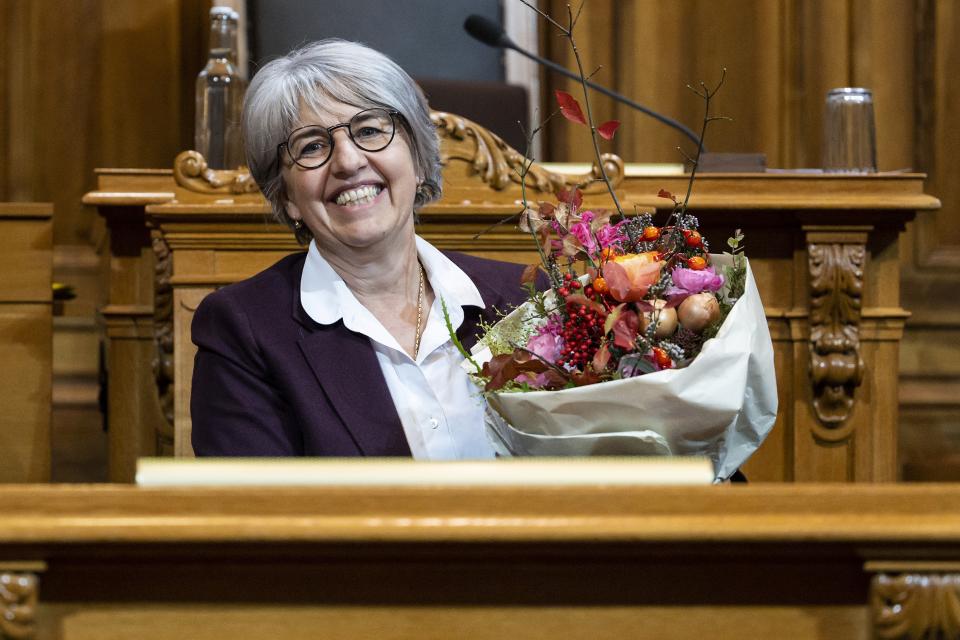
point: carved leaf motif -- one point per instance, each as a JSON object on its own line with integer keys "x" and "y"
{"x": 500, "y": 165}
{"x": 163, "y": 337}
{"x": 916, "y": 605}
{"x": 18, "y": 604}
{"x": 191, "y": 172}
{"x": 836, "y": 291}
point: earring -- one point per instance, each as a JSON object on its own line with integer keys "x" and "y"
{"x": 297, "y": 225}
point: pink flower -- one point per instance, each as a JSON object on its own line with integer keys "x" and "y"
{"x": 687, "y": 282}
{"x": 547, "y": 344}
{"x": 610, "y": 234}
{"x": 581, "y": 231}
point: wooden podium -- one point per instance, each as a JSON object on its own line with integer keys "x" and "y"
{"x": 806, "y": 562}
{"x": 824, "y": 250}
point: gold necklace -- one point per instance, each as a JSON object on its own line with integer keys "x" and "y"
{"x": 416, "y": 337}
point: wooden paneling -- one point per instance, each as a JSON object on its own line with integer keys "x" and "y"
{"x": 930, "y": 382}
{"x": 724, "y": 562}
{"x": 89, "y": 83}
{"x": 26, "y": 341}
{"x": 781, "y": 59}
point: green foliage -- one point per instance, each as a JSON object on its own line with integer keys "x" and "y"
{"x": 736, "y": 273}
{"x": 510, "y": 330}
{"x": 455, "y": 339}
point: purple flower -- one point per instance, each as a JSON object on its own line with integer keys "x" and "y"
{"x": 610, "y": 234}
{"x": 581, "y": 231}
{"x": 546, "y": 342}
{"x": 687, "y": 282}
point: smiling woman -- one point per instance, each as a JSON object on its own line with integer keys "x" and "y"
{"x": 343, "y": 350}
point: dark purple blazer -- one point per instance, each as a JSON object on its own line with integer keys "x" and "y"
{"x": 269, "y": 381}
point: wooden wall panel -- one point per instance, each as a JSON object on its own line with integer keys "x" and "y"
{"x": 25, "y": 341}
{"x": 930, "y": 381}
{"x": 86, "y": 84}
{"x": 781, "y": 57}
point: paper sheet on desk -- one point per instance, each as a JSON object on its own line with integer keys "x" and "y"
{"x": 721, "y": 406}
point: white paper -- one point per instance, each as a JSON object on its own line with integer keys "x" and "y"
{"x": 721, "y": 406}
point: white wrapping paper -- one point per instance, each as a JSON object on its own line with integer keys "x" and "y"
{"x": 721, "y": 406}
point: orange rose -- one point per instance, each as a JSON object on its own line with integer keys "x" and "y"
{"x": 630, "y": 276}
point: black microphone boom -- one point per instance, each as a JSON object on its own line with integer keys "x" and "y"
{"x": 490, "y": 33}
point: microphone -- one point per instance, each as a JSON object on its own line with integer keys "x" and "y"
{"x": 492, "y": 34}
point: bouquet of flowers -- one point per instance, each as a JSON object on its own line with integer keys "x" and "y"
{"x": 644, "y": 342}
{"x": 657, "y": 348}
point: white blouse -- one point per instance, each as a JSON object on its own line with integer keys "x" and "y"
{"x": 440, "y": 409}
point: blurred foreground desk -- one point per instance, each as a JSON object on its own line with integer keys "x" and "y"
{"x": 26, "y": 340}
{"x": 761, "y": 561}
{"x": 824, "y": 250}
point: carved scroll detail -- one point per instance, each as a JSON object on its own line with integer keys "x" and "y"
{"x": 191, "y": 172}
{"x": 163, "y": 339}
{"x": 836, "y": 367}
{"x": 499, "y": 164}
{"x": 18, "y": 604}
{"x": 916, "y": 605}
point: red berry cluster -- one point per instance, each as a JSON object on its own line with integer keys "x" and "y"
{"x": 581, "y": 335}
{"x": 570, "y": 284}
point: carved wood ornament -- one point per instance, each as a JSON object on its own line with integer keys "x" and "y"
{"x": 916, "y": 605}
{"x": 836, "y": 366}
{"x": 191, "y": 172}
{"x": 18, "y": 604}
{"x": 163, "y": 340}
{"x": 500, "y": 165}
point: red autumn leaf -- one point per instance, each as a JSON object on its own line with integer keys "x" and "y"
{"x": 601, "y": 358}
{"x": 571, "y": 245}
{"x": 529, "y": 274}
{"x": 507, "y": 366}
{"x": 543, "y": 233}
{"x": 608, "y": 128}
{"x": 600, "y": 218}
{"x": 546, "y": 210}
{"x": 612, "y": 317}
{"x": 573, "y": 197}
{"x": 663, "y": 193}
{"x": 499, "y": 369}
{"x": 554, "y": 380}
{"x": 589, "y": 376}
{"x": 569, "y": 107}
{"x": 625, "y": 330}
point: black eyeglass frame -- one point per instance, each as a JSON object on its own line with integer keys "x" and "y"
{"x": 394, "y": 117}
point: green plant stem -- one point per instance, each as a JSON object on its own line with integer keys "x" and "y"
{"x": 568, "y": 33}
{"x": 455, "y": 339}
{"x": 593, "y": 127}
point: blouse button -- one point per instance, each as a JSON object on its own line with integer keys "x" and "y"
{"x": 434, "y": 423}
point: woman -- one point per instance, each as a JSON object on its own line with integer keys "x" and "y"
{"x": 343, "y": 350}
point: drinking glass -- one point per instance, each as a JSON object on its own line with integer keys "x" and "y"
{"x": 849, "y": 134}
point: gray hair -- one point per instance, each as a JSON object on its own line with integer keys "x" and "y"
{"x": 314, "y": 77}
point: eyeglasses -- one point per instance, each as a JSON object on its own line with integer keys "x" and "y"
{"x": 312, "y": 146}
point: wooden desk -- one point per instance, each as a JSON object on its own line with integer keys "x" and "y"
{"x": 759, "y": 561}
{"x": 26, "y": 337}
{"x": 824, "y": 250}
